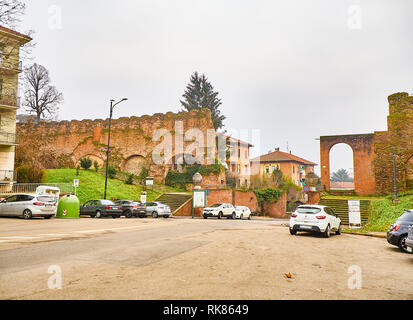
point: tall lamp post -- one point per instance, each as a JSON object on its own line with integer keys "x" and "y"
{"x": 112, "y": 105}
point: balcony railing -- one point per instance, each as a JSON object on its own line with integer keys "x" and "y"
{"x": 9, "y": 100}
{"x": 7, "y": 176}
{"x": 8, "y": 138}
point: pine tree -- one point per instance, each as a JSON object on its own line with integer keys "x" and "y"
{"x": 200, "y": 94}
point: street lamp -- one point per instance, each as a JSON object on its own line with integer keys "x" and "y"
{"x": 107, "y": 152}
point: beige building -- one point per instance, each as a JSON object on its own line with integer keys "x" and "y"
{"x": 238, "y": 161}
{"x": 291, "y": 166}
{"x": 10, "y": 67}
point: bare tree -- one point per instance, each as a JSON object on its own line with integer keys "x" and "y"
{"x": 11, "y": 11}
{"x": 40, "y": 97}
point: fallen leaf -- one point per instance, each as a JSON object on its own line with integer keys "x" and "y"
{"x": 289, "y": 275}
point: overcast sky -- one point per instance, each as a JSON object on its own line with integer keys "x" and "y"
{"x": 293, "y": 69}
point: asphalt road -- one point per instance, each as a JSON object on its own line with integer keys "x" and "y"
{"x": 193, "y": 259}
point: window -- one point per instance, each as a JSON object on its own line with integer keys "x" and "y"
{"x": 273, "y": 168}
{"x": 11, "y": 199}
{"x": 239, "y": 153}
{"x": 246, "y": 154}
{"x": 309, "y": 210}
{"x": 24, "y": 197}
{"x": 267, "y": 169}
{"x": 293, "y": 169}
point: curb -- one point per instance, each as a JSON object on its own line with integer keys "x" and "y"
{"x": 383, "y": 236}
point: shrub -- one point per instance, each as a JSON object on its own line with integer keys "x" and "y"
{"x": 129, "y": 179}
{"x": 85, "y": 163}
{"x": 29, "y": 174}
{"x": 144, "y": 173}
{"x": 112, "y": 172}
{"x": 268, "y": 194}
{"x": 77, "y": 170}
{"x": 96, "y": 165}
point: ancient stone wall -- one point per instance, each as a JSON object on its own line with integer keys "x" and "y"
{"x": 131, "y": 142}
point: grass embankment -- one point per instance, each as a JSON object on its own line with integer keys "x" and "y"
{"x": 92, "y": 185}
{"x": 384, "y": 212}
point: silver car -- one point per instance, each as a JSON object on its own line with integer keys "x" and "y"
{"x": 157, "y": 209}
{"x": 29, "y": 206}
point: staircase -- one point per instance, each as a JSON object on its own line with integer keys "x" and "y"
{"x": 174, "y": 200}
{"x": 340, "y": 206}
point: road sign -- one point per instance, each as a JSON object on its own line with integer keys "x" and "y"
{"x": 306, "y": 189}
{"x": 76, "y": 183}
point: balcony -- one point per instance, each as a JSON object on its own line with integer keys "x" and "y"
{"x": 9, "y": 101}
{"x": 9, "y": 139}
{"x": 7, "y": 176}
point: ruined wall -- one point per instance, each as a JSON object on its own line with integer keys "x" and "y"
{"x": 131, "y": 139}
{"x": 398, "y": 139}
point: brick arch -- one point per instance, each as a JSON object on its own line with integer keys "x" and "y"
{"x": 134, "y": 164}
{"x": 363, "y": 156}
{"x": 93, "y": 157}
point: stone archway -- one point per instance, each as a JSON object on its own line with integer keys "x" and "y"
{"x": 363, "y": 156}
{"x": 94, "y": 158}
{"x": 134, "y": 164}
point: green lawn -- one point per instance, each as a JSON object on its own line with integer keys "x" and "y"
{"x": 92, "y": 185}
{"x": 384, "y": 212}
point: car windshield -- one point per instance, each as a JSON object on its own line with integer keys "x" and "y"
{"x": 310, "y": 210}
{"x": 406, "y": 216}
{"x": 46, "y": 199}
{"x": 215, "y": 205}
{"x": 106, "y": 202}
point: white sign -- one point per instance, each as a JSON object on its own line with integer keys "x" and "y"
{"x": 354, "y": 218}
{"x": 143, "y": 197}
{"x": 76, "y": 183}
{"x": 149, "y": 182}
{"x": 199, "y": 199}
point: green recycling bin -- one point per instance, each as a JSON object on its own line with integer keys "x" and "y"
{"x": 68, "y": 207}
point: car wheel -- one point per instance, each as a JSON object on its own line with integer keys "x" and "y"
{"x": 48, "y": 217}
{"x": 220, "y": 215}
{"x": 241, "y": 216}
{"x": 249, "y": 217}
{"x": 205, "y": 217}
{"x": 27, "y": 214}
{"x": 338, "y": 232}
{"x": 98, "y": 214}
{"x": 128, "y": 214}
{"x": 403, "y": 246}
{"x": 154, "y": 214}
{"x": 327, "y": 232}
{"x": 293, "y": 232}
{"x": 233, "y": 216}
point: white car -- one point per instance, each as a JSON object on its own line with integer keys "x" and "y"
{"x": 242, "y": 212}
{"x": 220, "y": 210}
{"x": 29, "y": 206}
{"x": 157, "y": 209}
{"x": 315, "y": 218}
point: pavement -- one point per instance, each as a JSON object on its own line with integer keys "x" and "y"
{"x": 183, "y": 258}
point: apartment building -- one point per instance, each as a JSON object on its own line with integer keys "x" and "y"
{"x": 10, "y": 67}
{"x": 238, "y": 161}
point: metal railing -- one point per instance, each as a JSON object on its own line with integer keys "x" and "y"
{"x": 10, "y": 100}
{"x": 31, "y": 187}
{"x": 8, "y": 138}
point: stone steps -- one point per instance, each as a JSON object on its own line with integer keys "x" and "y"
{"x": 174, "y": 200}
{"x": 340, "y": 206}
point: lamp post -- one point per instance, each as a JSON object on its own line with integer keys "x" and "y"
{"x": 112, "y": 105}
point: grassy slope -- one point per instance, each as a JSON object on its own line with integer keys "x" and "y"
{"x": 92, "y": 184}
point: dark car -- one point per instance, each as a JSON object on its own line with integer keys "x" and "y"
{"x": 132, "y": 208}
{"x": 100, "y": 208}
{"x": 398, "y": 231}
{"x": 409, "y": 240}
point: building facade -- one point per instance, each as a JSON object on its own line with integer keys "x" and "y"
{"x": 238, "y": 161}
{"x": 10, "y": 67}
{"x": 291, "y": 166}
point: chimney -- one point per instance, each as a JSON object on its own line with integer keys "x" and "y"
{"x": 277, "y": 149}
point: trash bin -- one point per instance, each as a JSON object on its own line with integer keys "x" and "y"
{"x": 68, "y": 207}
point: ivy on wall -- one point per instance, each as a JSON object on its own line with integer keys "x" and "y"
{"x": 180, "y": 179}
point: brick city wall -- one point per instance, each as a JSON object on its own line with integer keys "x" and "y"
{"x": 131, "y": 140}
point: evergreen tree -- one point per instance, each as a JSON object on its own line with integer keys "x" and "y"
{"x": 200, "y": 94}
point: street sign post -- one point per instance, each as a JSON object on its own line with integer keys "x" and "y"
{"x": 76, "y": 184}
{"x": 306, "y": 189}
{"x": 199, "y": 199}
{"x": 354, "y": 217}
{"x": 143, "y": 197}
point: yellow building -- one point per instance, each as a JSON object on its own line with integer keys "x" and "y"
{"x": 238, "y": 161}
{"x": 10, "y": 67}
{"x": 293, "y": 167}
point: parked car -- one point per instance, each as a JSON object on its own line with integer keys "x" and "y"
{"x": 242, "y": 212}
{"x": 398, "y": 231}
{"x": 28, "y": 206}
{"x": 315, "y": 218}
{"x": 409, "y": 240}
{"x": 100, "y": 208}
{"x": 220, "y": 210}
{"x": 158, "y": 209}
{"x": 132, "y": 208}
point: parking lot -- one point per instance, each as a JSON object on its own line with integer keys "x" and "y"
{"x": 181, "y": 258}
